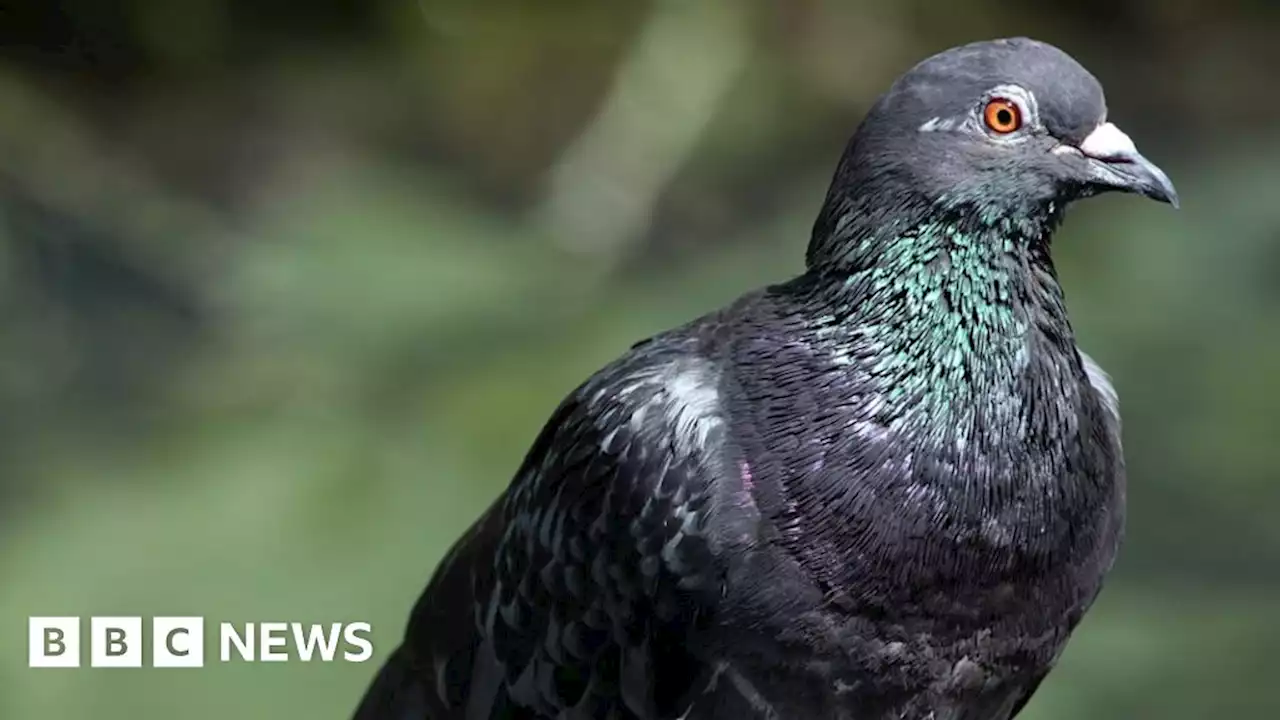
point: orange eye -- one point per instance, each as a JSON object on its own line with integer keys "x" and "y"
{"x": 1002, "y": 116}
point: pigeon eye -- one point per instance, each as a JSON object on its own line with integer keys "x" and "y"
{"x": 1002, "y": 116}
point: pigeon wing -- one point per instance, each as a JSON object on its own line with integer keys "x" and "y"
{"x": 582, "y": 591}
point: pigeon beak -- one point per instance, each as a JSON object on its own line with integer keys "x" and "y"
{"x": 1116, "y": 164}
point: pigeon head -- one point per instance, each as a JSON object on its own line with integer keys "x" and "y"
{"x": 1008, "y": 130}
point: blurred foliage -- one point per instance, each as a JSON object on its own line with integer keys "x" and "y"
{"x": 287, "y": 289}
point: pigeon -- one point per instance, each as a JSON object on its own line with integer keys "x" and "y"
{"x": 888, "y": 487}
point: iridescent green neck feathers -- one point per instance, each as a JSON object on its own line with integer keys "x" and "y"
{"x": 947, "y": 317}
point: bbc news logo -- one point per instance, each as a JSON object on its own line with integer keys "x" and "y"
{"x": 178, "y": 642}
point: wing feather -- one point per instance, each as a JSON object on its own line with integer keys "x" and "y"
{"x": 581, "y": 593}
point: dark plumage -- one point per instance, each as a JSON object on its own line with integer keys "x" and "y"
{"x": 887, "y": 488}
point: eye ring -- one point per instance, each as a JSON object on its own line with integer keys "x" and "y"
{"x": 1002, "y": 116}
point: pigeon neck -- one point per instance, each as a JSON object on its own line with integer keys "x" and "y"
{"x": 961, "y": 315}
{"x": 960, "y": 370}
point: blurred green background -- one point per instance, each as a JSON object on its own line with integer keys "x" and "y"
{"x": 286, "y": 290}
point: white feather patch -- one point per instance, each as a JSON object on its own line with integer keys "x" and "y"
{"x": 1101, "y": 383}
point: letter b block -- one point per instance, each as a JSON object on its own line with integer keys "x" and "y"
{"x": 115, "y": 642}
{"x": 53, "y": 642}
